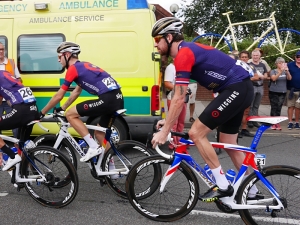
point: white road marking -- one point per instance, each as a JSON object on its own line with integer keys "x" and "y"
{"x": 258, "y": 218}
{"x": 2, "y": 194}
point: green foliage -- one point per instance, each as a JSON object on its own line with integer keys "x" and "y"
{"x": 206, "y": 15}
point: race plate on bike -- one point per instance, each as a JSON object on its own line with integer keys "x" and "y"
{"x": 260, "y": 158}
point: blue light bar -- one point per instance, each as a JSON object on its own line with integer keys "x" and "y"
{"x": 137, "y": 4}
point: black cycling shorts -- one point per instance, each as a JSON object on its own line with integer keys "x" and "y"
{"x": 105, "y": 106}
{"x": 227, "y": 109}
{"x": 20, "y": 116}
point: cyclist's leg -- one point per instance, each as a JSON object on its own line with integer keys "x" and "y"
{"x": 20, "y": 115}
{"x": 229, "y": 107}
{"x": 107, "y": 104}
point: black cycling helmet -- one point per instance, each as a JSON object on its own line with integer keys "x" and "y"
{"x": 67, "y": 46}
{"x": 167, "y": 25}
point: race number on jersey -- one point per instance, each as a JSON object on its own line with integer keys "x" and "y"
{"x": 27, "y": 95}
{"x": 110, "y": 83}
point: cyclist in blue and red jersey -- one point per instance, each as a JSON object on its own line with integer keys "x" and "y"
{"x": 215, "y": 71}
{"x": 95, "y": 81}
{"x": 24, "y": 111}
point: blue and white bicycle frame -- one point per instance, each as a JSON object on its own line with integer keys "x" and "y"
{"x": 181, "y": 153}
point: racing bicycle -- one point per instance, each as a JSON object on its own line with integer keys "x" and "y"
{"x": 124, "y": 154}
{"x": 42, "y": 172}
{"x": 165, "y": 187}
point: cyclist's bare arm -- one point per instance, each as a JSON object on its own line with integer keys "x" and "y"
{"x": 74, "y": 95}
{"x": 54, "y": 100}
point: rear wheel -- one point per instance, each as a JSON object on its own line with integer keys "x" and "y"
{"x": 286, "y": 181}
{"x": 59, "y": 190}
{"x": 132, "y": 152}
{"x": 179, "y": 197}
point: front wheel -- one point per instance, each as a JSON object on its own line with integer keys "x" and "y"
{"x": 286, "y": 181}
{"x": 64, "y": 147}
{"x": 132, "y": 152}
{"x": 60, "y": 189}
{"x": 178, "y": 198}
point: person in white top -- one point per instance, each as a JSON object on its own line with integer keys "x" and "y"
{"x": 169, "y": 82}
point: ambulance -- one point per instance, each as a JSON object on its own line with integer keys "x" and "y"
{"x": 113, "y": 34}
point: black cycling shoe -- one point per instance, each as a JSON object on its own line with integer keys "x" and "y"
{"x": 256, "y": 124}
{"x": 258, "y": 196}
{"x": 215, "y": 193}
{"x": 246, "y": 133}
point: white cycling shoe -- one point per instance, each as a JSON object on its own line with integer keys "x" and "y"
{"x": 11, "y": 162}
{"x": 91, "y": 153}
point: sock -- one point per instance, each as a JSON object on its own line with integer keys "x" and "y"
{"x": 8, "y": 151}
{"x": 221, "y": 180}
{"x": 253, "y": 190}
{"x": 90, "y": 141}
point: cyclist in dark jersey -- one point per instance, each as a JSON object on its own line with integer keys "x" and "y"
{"x": 215, "y": 71}
{"x": 24, "y": 110}
{"x": 95, "y": 81}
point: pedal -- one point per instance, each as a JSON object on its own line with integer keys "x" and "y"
{"x": 102, "y": 181}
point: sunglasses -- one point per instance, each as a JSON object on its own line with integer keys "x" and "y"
{"x": 158, "y": 38}
{"x": 297, "y": 56}
{"x": 60, "y": 55}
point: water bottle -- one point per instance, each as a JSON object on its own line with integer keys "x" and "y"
{"x": 29, "y": 144}
{"x": 83, "y": 145}
{"x": 208, "y": 172}
{"x": 230, "y": 175}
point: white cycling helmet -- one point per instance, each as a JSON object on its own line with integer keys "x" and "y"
{"x": 167, "y": 25}
{"x": 68, "y": 47}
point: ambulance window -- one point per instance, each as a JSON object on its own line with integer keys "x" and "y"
{"x": 37, "y": 53}
{"x": 3, "y": 40}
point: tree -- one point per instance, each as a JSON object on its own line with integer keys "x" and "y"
{"x": 206, "y": 15}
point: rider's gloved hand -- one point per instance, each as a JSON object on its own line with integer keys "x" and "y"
{"x": 41, "y": 115}
{"x": 57, "y": 110}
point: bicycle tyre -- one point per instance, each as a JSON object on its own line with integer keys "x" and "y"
{"x": 178, "y": 198}
{"x": 51, "y": 194}
{"x": 65, "y": 147}
{"x": 282, "y": 178}
{"x": 212, "y": 39}
{"x": 286, "y": 35}
{"x": 134, "y": 151}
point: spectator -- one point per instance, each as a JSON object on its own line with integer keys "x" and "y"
{"x": 193, "y": 87}
{"x": 232, "y": 56}
{"x": 244, "y": 56}
{"x": 10, "y": 66}
{"x": 293, "y": 89}
{"x": 277, "y": 90}
{"x": 258, "y": 85}
{"x": 261, "y": 60}
{"x": 169, "y": 82}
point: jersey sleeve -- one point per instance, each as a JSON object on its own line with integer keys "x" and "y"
{"x": 184, "y": 62}
{"x": 71, "y": 75}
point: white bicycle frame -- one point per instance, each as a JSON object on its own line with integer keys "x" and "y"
{"x": 31, "y": 178}
{"x": 63, "y": 133}
{"x": 273, "y": 25}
